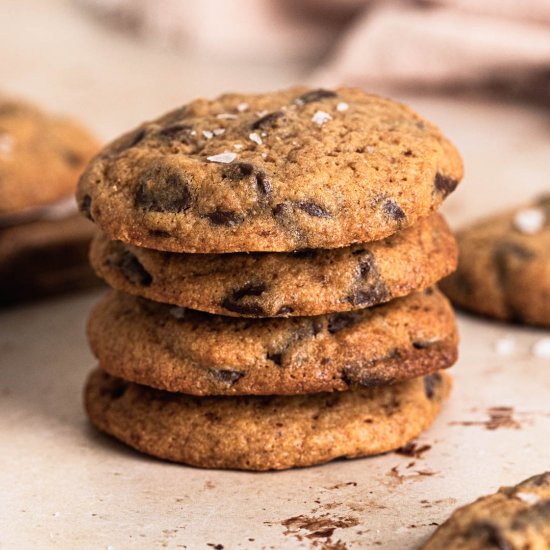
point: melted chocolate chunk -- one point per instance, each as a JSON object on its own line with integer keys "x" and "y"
{"x": 366, "y": 267}
{"x": 131, "y": 140}
{"x": 393, "y": 210}
{"x": 233, "y": 302}
{"x": 315, "y": 95}
{"x": 132, "y": 269}
{"x": 445, "y": 184}
{"x": 313, "y": 209}
{"x": 229, "y": 377}
{"x": 277, "y": 358}
{"x": 424, "y": 344}
{"x": 181, "y": 132}
{"x": 163, "y": 189}
{"x": 249, "y": 289}
{"x": 224, "y": 217}
{"x": 118, "y": 389}
{"x": 281, "y": 209}
{"x": 495, "y": 537}
{"x": 431, "y": 381}
{"x": 85, "y": 206}
{"x": 244, "y": 309}
{"x": 372, "y": 296}
{"x": 284, "y": 310}
{"x": 305, "y": 253}
{"x": 267, "y": 121}
{"x": 263, "y": 184}
{"x": 238, "y": 170}
{"x": 340, "y": 321}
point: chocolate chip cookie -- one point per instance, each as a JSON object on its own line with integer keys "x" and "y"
{"x": 45, "y": 258}
{"x": 270, "y": 284}
{"x": 41, "y": 156}
{"x": 264, "y": 433}
{"x": 515, "y": 518}
{"x": 504, "y": 266}
{"x": 282, "y": 171}
{"x": 183, "y": 350}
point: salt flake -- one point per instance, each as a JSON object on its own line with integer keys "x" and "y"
{"x": 371, "y": 149}
{"x": 227, "y": 116}
{"x": 219, "y": 131}
{"x": 225, "y": 158}
{"x": 530, "y": 220}
{"x": 505, "y": 345}
{"x": 242, "y": 107}
{"x": 255, "y": 138}
{"x": 529, "y": 498}
{"x": 208, "y": 134}
{"x": 238, "y": 146}
{"x": 541, "y": 348}
{"x": 342, "y": 106}
{"x": 320, "y": 117}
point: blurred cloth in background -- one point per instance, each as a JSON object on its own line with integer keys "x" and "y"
{"x": 497, "y": 46}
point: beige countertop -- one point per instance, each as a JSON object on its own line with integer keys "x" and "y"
{"x": 66, "y": 486}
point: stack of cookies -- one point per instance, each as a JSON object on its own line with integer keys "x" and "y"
{"x": 274, "y": 258}
{"x": 43, "y": 239}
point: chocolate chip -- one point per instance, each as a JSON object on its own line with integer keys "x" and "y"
{"x": 284, "y": 310}
{"x": 407, "y": 153}
{"x": 495, "y": 537}
{"x": 159, "y": 233}
{"x": 181, "y": 132}
{"x": 374, "y": 295}
{"x": 358, "y": 251}
{"x": 315, "y": 95}
{"x": 277, "y": 358}
{"x": 129, "y": 141}
{"x": 229, "y": 377}
{"x": 72, "y": 158}
{"x": 366, "y": 267}
{"x": 316, "y": 327}
{"x": 267, "y": 121}
{"x": 313, "y": 209}
{"x": 249, "y": 289}
{"x": 281, "y": 209}
{"x": 393, "y": 210}
{"x": 238, "y": 171}
{"x": 445, "y": 184}
{"x": 132, "y": 269}
{"x": 340, "y": 321}
{"x": 232, "y": 302}
{"x": 263, "y": 184}
{"x": 224, "y": 217}
{"x": 163, "y": 189}
{"x": 430, "y": 384}
{"x": 118, "y": 389}
{"x": 254, "y": 310}
{"x": 85, "y": 206}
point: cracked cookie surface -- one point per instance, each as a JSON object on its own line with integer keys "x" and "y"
{"x": 41, "y": 156}
{"x": 309, "y": 282}
{"x": 504, "y": 266}
{"x": 514, "y": 518}
{"x": 264, "y": 433}
{"x": 186, "y": 351}
{"x": 283, "y": 171}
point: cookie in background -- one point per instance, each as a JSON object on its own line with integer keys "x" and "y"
{"x": 504, "y": 266}
{"x": 43, "y": 242}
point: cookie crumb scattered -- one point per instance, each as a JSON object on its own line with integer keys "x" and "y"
{"x": 505, "y": 345}
{"x": 255, "y": 138}
{"x": 530, "y": 220}
{"x": 225, "y": 158}
{"x": 541, "y": 348}
{"x": 320, "y": 117}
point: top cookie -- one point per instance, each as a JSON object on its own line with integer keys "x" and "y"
{"x": 294, "y": 169}
{"x": 41, "y": 156}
